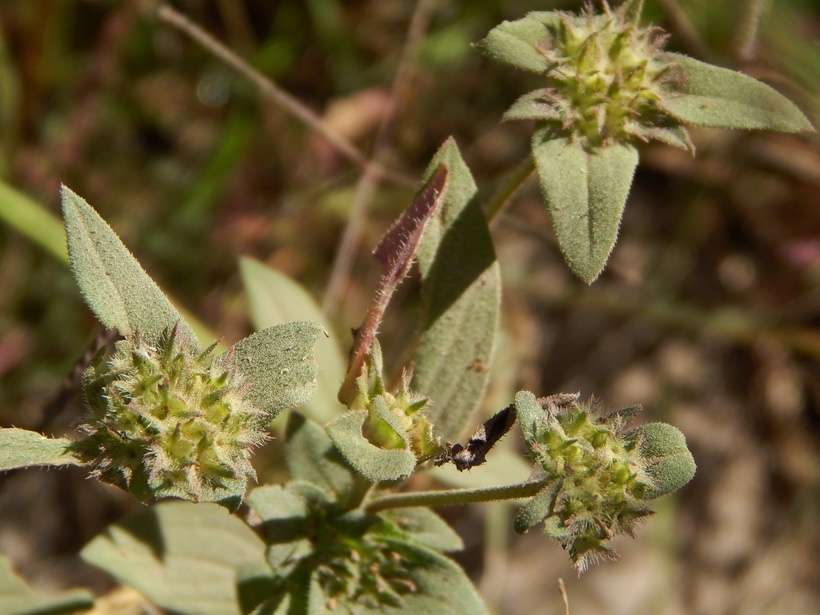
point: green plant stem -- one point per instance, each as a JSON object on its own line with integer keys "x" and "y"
{"x": 451, "y": 497}
{"x": 510, "y": 186}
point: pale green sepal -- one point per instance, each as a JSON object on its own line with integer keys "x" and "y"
{"x": 461, "y": 293}
{"x": 273, "y": 299}
{"x": 423, "y": 527}
{"x": 20, "y": 448}
{"x": 183, "y": 557}
{"x": 585, "y": 192}
{"x": 384, "y": 426}
{"x": 631, "y": 10}
{"x": 311, "y": 456}
{"x": 17, "y": 598}
{"x": 669, "y": 462}
{"x": 516, "y": 42}
{"x": 113, "y": 284}
{"x": 721, "y": 98}
{"x": 374, "y": 463}
{"x": 537, "y": 509}
{"x": 278, "y": 366}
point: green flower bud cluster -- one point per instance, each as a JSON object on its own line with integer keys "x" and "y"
{"x": 168, "y": 421}
{"x": 601, "y": 475}
{"x": 606, "y": 77}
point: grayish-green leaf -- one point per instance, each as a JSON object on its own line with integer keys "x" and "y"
{"x": 585, "y": 192}
{"x": 276, "y": 299}
{"x": 17, "y": 598}
{"x": 372, "y": 462}
{"x": 311, "y": 456}
{"x": 669, "y": 462}
{"x": 461, "y": 284}
{"x": 423, "y": 527}
{"x": 532, "y": 106}
{"x": 516, "y": 42}
{"x": 20, "y": 448}
{"x": 284, "y": 512}
{"x": 530, "y": 416}
{"x": 112, "y": 282}
{"x": 183, "y": 557}
{"x": 278, "y": 366}
{"x": 536, "y": 509}
{"x": 722, "y": 98}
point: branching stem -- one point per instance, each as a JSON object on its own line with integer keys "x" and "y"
{"x": 450, "y": 497}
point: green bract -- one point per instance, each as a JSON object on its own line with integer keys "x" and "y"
{"x": 598, "y": 476}
{"x": 608, "y": 84}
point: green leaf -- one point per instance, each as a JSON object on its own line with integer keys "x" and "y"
{"x": 722, "y": 98}
{"x": 311, "y": 456}
{"x": 372, "y": 462}
{"x": 183, "y": 557}
{"x": 276, "y": 299}
{"x": 536, "y": 509}
{"x": 670, "y": 464}
{"x": 423, "y": 527}
{"x": 20, "y": 448}
{"x": 16, "y": 598}
{"x": 585, "y": 192}
{"x": 516, "y": 42}
{"x": 284, "y": 512}
{"x": 532, "y": 106}
{"x": 112, "y": 282}
{"x": 461, "y": 284}
{"x": 277, "y": 364}
{"x": 530, "y": 416}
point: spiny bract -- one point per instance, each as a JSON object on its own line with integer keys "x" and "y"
{"x": 605, "y": 76}
{"x": 168, "y": 421}
{"x": 602, "y": 476}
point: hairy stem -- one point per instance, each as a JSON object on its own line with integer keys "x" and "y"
{"x": 507, "y": 189}
{"x": 450, "y": 497}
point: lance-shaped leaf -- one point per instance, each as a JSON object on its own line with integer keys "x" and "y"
{"x": 423, "y": 527}
{"x": 112, "y": 282}
{"x": 277, "y": 365}
{"x": 395, "y": 253}
{"x": 371, "y": 461}
{"x": 585, "y": 192}
{"x": 20, "y": 448}
{"x": 461, "y": 284}
{"x": 717, "y": 97}
{"x": 275, "y": 299}
{"x": 183, "y": 557}
{"x": 17, "y": 598}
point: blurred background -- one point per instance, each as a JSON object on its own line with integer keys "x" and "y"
{"x": 708, "y": 313}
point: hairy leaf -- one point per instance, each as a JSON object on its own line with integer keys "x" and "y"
{"x": 20, "y": 448}
{"x": 585, "y": 192}
{"x": 516, "y": 42}
{"x": 423, "y": 527}
{"x": 277, "y": 364}
{"x": 183, "y": 557}
{"x": 312, "y": 457}
{"x": 461, "y": 284}
{"x": 722, "y": 98}
{"x": 112, "y": 282}
{"x": 536, "y": 509}
{"x": 17, "y": 598}
{"x": 276, "y": 299}
{"x": 372, "y": 462}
